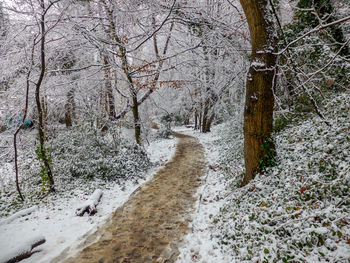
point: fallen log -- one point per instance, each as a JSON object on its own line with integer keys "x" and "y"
{"x": 21, "y": 213}
{"x": 90, "y": 205}
{"x": 24, "y": 251}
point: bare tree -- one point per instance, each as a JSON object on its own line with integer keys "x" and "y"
{"x": 42, "y": 150}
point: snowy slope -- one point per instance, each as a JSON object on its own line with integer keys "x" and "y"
{"x": 298, "y": 211}
{"x": 58, "y": 223}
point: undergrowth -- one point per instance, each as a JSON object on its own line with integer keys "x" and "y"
{"x": 297, "y": 211}
{"x": 83, "y": 159}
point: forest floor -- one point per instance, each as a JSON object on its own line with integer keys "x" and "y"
{"x": 151, "y": 224}
{"x": 297, "y": 211}
{"x": 54, "y": 218}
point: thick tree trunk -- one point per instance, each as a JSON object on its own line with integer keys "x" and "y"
{"x": 207, "y": 118}
{"x": 259, "y": 104}
{"x": 210, "y": 97}
{"x": 206, "y": 105}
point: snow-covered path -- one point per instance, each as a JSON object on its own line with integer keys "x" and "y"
{"x": 151, "y": 223}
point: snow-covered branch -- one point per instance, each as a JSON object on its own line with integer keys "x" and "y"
{"x": 316, "y": 29}
{"x": 19, "y": 214}
{"x": 90, "y": 206}
{"x": 23, "y": 251}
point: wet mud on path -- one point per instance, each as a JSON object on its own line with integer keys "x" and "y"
{"x": 152, "y": 223}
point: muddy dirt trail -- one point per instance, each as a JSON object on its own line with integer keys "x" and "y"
{"x": 152, "y": 223}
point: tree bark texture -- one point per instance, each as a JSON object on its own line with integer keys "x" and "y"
{"x": 259, "y": 103}
{"x": 45, "y": 116}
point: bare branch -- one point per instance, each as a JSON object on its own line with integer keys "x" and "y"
{"x": 154, "y": 32}
{"x": 316, "y": 29}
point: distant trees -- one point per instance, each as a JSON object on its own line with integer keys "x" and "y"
{"x": 3, "y": 27}
{"x": 3, "y": 32}
{"x": 75, "y": 59}
{"x": 105, "y": 59}
{"x": 212, "y": 72}
{"x": 106, "y": 62}
{"x": 124, "y": 41}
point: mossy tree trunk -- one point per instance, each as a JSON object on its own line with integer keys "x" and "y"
{"x": 259, "y": 103}
{"x": 42, "y": 150}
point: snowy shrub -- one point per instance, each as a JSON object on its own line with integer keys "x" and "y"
{"x": 165, "y": 131}
{"x": 178, "y": 119}
{"x": 86, "y": 152}
{"x": 281, "y": 122}
{"x": 166, "y": 119}
{"x": 83, "y": 159}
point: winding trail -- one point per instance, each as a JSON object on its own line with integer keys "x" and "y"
{"x": 152, "y": 223}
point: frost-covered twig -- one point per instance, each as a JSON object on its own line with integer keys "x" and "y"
{"x": 21, "y": 213}
{"x": 90, "y": 205}
{"x": 327, "y": 65}
{"x": 151, "y": 35}
{"x": 316, "y": 29}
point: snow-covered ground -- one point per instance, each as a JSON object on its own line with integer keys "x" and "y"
{"x": 200, "y": 245}
{"x": 298, "y": 211}
{"x": 56, "y": 221}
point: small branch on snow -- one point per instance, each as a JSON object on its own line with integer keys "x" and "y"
{"x": 24, "y": 251}
{"x": 205, "y": 186}
{"x": 19, "y": 214}
{"x": 90, "y": 205}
